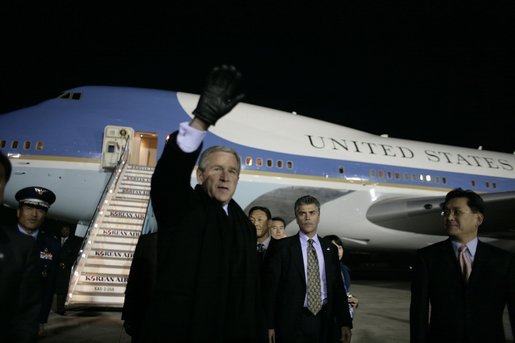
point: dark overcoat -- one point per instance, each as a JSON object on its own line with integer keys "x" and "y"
{"x": 140, "y": 284}
{"x": 207, "y": 285}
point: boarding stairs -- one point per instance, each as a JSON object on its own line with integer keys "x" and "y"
{"x": 100, "y": 274}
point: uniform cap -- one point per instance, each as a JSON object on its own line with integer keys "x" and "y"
{"x": 36, "y": 196}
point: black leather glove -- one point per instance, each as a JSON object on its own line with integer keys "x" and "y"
{"x": 219, "y": 95}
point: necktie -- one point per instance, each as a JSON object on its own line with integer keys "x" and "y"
{"x": 465, "y": 264}
{"x": 260, "y": 247}
{"x": 314, "y": 293}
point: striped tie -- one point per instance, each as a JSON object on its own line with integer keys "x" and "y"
{"x": 465, "y": 264}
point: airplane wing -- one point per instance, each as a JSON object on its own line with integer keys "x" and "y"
{"x": 422, "y": 215}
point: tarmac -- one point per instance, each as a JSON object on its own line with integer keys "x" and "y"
{"x": 382, "y": 316}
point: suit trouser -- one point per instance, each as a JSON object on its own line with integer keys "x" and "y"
{"x": 313, "y": 328}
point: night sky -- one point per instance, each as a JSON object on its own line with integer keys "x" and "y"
{"x": 437, "y": 71}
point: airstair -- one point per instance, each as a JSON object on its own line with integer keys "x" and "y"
{"x": 100, "y": 274}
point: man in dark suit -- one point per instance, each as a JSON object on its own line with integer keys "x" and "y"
{"x": 457, "y": 294}
{"x": 260, "y": 216}
{"x": 140, "y": 285}
{"x": 70, "y": 246}
{"x": 34, "y": 203}
{"x": 207, "y": 287}
{"x": 292, "y": 314}
{"x": 19, "y": 278}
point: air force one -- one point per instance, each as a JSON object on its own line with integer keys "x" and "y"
{"x": 377, "y": 193}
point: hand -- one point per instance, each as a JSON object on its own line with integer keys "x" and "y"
{"x": 346, "y": 334}
{"x": 271, "y": 335}
{"x": 219, "y": 95}
{"x": 353, "y": 301}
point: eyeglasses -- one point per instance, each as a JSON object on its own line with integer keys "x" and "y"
{"x": 455, "y": 213}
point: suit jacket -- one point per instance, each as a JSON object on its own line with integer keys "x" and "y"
{"x": 207, "y": 286}
{"x": 67, "y": 257}
{"x": 461, "y": 312}
{"x": 285, "y": 289}
{"x": 49, "y": 249}
{"x": 20, "y": 294}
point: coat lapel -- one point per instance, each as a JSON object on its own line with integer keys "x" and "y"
{"x": 298, "y": 260}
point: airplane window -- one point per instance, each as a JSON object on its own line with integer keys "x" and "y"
{"x": 39, "y": 145}
{"x": 397, "y": 175}
{"x": 444, "y": 180}
{"x": 2, "y": 143}
{"x": 289, "y": 164}
{"x": 380, "y": 174}
{"x": 341, "y": 170}
{"x": 473, "y": 183}
{"x": 406, "y": 176}
{"x": 389, "y": 174}
{"x": 414, "y": 177}
{"x": 259, "y": 162}
{"x": 269, "y": 163}
{"x": 487, "y": 184}
{"x": 421, "y": 177}
{"x": 26, "y": 145}
{"x": 65, "y": 96}
{"x": 437, "y": 179}
{"x": 494, "y": 185}
{"x": 279, "y": 163}
{"x": 14, "y": 145}
{"x": 248, "y": 161}
{"x": 76, "y": 96}
{"x": 372, "y": 172}
{"x": 428, "y": 178}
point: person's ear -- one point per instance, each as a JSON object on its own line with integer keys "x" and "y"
{"x": 480, "y": 218}
{"x": 200, "y": 176}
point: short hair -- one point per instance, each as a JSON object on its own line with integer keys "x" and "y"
{"x": 306, "y": 200}
{"x": 474, "y": 200}
{"x": 4, "y": 161}
{"x": 280, "y": 219}
{"x": 335, "y": 239}
{"x": 204, "y": 157}
{"x": 261, "y": 208}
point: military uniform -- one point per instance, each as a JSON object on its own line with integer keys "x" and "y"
{"x": 48, "y": 247}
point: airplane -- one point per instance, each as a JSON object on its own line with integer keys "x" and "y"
{"x": 378, "y": 193}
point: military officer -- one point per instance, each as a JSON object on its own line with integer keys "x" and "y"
{"x": 34, "y": 203}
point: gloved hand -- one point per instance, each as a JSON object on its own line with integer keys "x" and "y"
{"x": 219, "y": 95}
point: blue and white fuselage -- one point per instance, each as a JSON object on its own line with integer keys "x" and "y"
{"x": 377, "y": 193}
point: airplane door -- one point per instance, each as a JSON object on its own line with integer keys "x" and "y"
{"x": 144, "y": 149}
{"x": 115, "y": 139}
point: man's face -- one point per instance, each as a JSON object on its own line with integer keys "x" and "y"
{"x": 220, "y": 177}
{"x": 65, "y": 231}
{"x": 459, "y": 220}
{"x": 277, "y": 229}
{"x": 260, "y": 221}
{"x": 30, "y": 217}
{"x": 2, "y": 184}
{"x": 308, "y": 217}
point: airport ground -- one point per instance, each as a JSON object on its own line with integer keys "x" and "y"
{"x": 382, "y": 317}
